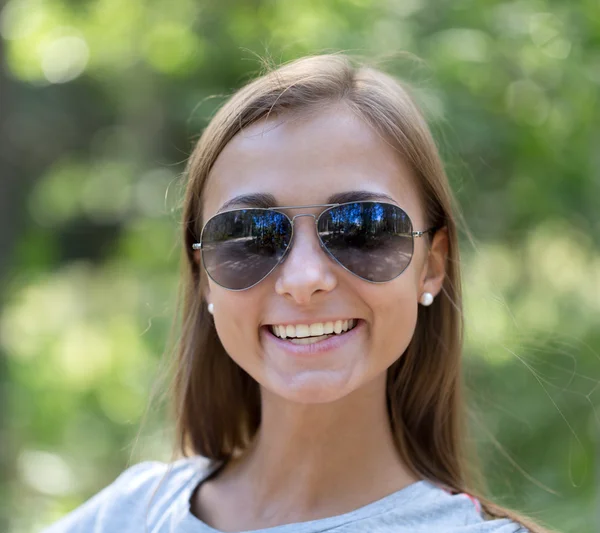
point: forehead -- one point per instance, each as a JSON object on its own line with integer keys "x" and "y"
{"x": 303, "y": 161}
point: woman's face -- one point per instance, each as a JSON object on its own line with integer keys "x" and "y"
{"x": 303, "y": 162}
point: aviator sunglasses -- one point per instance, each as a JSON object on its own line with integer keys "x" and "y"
{"x": 372, "y": 240}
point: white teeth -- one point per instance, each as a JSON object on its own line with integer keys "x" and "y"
{"x": 313, "y": 331}
{"x": 302, "y": 330}
{"x": 317, "y": 329}
{"x": 309, "y": 340}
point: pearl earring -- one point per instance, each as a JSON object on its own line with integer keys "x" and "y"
{"x": 427, "y": 298}
{"x": 211, "y": 308}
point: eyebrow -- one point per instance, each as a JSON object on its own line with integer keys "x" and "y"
{"x": 266, "y": 200}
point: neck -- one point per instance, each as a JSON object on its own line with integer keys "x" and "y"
{"x": 312, "y": 460}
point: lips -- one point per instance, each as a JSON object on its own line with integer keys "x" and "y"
{"x": 316, "y": 329}
{"x": 328, "y": 344}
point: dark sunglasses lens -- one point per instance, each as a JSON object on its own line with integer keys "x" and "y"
{"x": 371, "y": 239}
{"x": 240, "y": 248}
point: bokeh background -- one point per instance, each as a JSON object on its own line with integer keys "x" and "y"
{"x": 101, "y": 101}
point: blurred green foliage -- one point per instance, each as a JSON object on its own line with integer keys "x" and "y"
{"x": 102, "y": 100}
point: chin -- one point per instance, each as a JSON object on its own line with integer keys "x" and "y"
{"x": 310, "y": 387}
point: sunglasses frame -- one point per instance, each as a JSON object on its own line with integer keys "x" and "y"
{"x": 413, "y": 234}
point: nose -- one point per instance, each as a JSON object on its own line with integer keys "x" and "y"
{"x": 306, "y": 270}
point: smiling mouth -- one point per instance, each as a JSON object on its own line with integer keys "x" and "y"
{"x": 302, "y": 337}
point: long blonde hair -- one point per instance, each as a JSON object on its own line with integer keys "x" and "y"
{"x": 217, "y": 404}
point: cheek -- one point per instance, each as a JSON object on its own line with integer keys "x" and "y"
{"x": 236, "y": 321}
{"x": 395, "y": 312}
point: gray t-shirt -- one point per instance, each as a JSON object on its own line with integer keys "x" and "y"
{"x": 133, "y": 501}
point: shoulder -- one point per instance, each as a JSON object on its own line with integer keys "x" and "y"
{"x": 462, "y": 513}
{"x": 464, "y": 507}
{"x": 139, "y": 495}
{"x": 432, "y": 508}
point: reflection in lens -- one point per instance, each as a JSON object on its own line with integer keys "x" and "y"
{"x": 239, "y": 248}
{"x": 371, "y": 239}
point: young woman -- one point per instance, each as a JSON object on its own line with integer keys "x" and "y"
{"x": 319, "y": 365}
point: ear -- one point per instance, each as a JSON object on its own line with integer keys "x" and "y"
{"x": 197, "y": 258}
{"x": 205, "y": 289}
{"x": 434, "y": 268}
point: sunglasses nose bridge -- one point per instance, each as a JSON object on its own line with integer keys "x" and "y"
{"x": 315, "y": 217}
{"x": 304, "y": 215}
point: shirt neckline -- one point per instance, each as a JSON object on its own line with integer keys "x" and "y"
{"x": 192, "y": 524}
